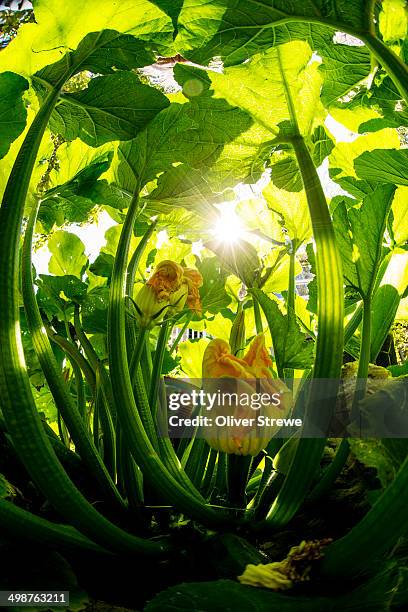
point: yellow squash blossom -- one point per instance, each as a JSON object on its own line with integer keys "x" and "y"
{"x": 243, "y": 381}
{"x": 170, "y": 288}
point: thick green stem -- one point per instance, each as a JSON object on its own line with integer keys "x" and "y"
{"x": 353, "y": 324}
{"x": 329, "y": 344}
{"x": 257, "y": 315}
{"x": 290, "y": 302}
{"x": 330, "y": 309}
{"x": 237, "y": 473}
{"x": 139, "y": 444}
{"x": 158, "y": 365}
{"x": 392, "y": 64}
{"x": 19, "y": 408}
{"x": 18, "y": 522}
{"x": 365, "y": 348}
{"x": 137, "y": 351}
{"x": 135, "y": 259}
{"x": 332, "y": 471}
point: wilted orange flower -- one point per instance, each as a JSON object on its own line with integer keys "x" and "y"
{"x": 194, "y": 282}
{"x": 166, "y": 279}
{"x": 167, "y": 291}
{"x": 253, "y": 378}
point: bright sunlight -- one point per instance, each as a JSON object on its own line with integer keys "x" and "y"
{"x": 229, "y": 227}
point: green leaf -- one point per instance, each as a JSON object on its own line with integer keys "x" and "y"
{"x": 386, "y": 100}
{"x": 360, "y": 233}
{"x": 43, "y": 42}
{"x": 6, "y": 488}
{"x": 292, "y": 207}
{"x": 113, "y": 107}
{"x": 387, "y": 299}
{"x": 94, "y": 311}
{"x": 393, "y": 20}
{"x": 276, "y": 276}
{"x": 68, "y": 257}
{"x": 99, "y": 52}
{"x": 374, "y": 595}
{"x": 214, "y": 296}
{"x": 343, "y": 67}
{"x": 399, "y": 214}
{"x": 373, "y": 454}
{"x": 13, "y": 114}
{"x": 103, "y": 264}
{"x": 291, "y": 348}
{"x": 279, "y": 88}
{"x": 312, "y": 286}
{"x": 205, "y": 133}
{"x": 45, "y": 403}
{"x": 285, "y": 171}
{"x": 238, "y": 257}
{"x": 344, "y": 154}
{"x": 72, "y": 201}
{"x": 192, "y": 353}
{"x": 56, "y": 293}
{"x": 185, "y": 187}
{"x": 321, "y": 145}
{"x": 383, "y": 166}
{"x": 236, "y": 30}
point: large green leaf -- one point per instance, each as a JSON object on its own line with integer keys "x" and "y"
{"x": 293, "y": 209}
{"x": 188, "y": 188}
{"x": 383, "y": 166}
{"x": 113, "y": 107}
{"x": 94, "y": 310}
{"x": 380, "y": 107}
{"x": 192, "y": 353}
{"x": 67, "y": 254}
{"x": 344, "y": 67}
{"x": 360, "y": 233}
{"x": 56, "y": 293}
{"x": 204, "y": 133}
{"x": 291, "y": 348}
{"x": 373, "y": 595}
{"x": 13, "y": 114}
{"x": 72, "y": 201}
{"x": 98, "y": 52}
{"x": 59, "y": 28}
{"x": 237, "y": 29}
{"x": 213, "y": 293}
{"x": 387, "y": 298}
{"x": 279, "y": 88}
{"x": 400, "y": 216}
{"x": 238, "y": 257}
{"x": 393, "y": 20}
{"x": 343, "y": 156}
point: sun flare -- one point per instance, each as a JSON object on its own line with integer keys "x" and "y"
{"x": 229, "y": 227}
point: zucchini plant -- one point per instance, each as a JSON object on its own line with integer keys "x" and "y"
{"x": 274, "y": 146}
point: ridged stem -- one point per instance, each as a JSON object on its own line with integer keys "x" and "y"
{"x": 139, "y": 444}
{"x": 329, "y": 344}
{"x": 19, "y": 408}
{"x": 392, "y": 64}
